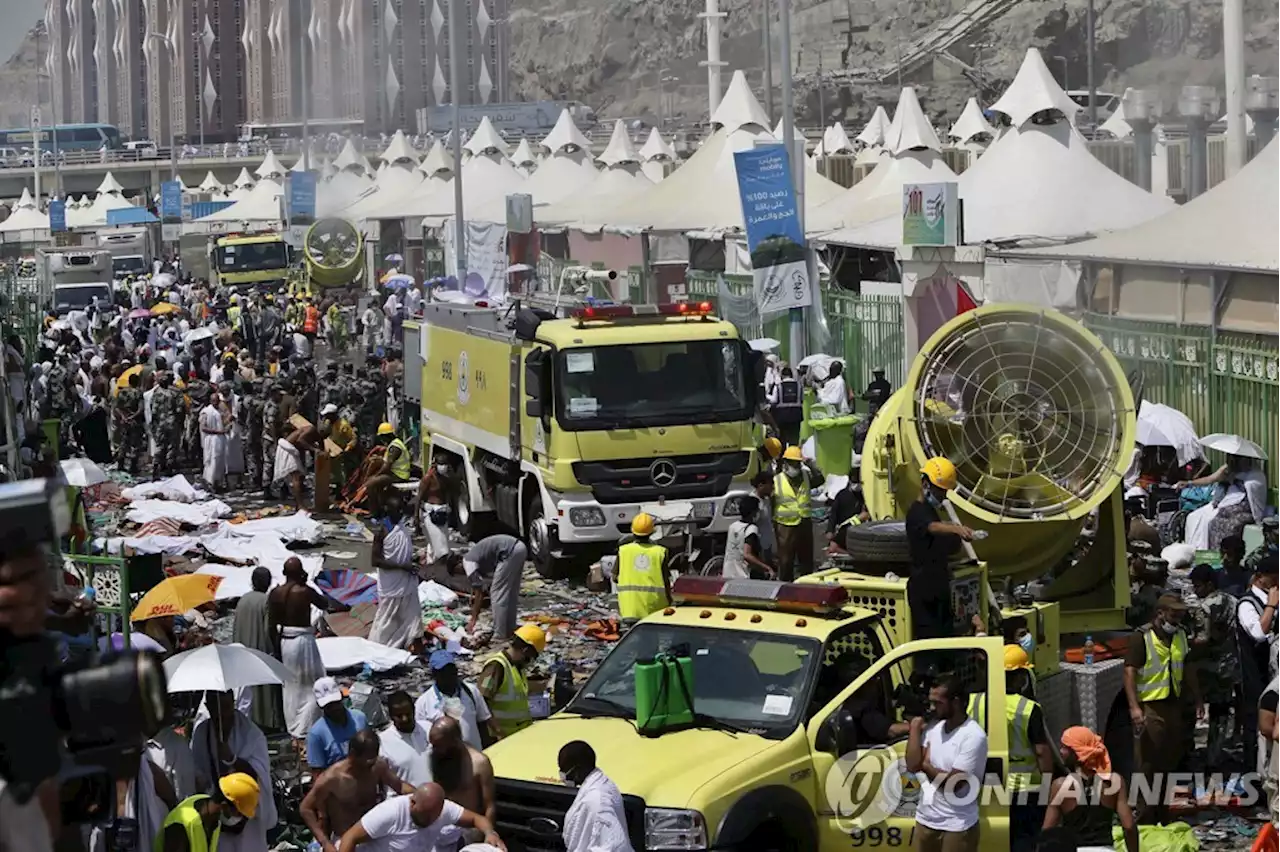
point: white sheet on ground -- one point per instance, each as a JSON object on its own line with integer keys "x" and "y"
{"x": 170, "y": 545}
{"x": 352, "y": 652}
{"x": 175, "y": 488}
{"x": 432, "y": 592}
{"x": 298, "y": 527}
{"x": 265, "y": 549}
{"x": 195, "y": 514}
{"x": 237, "y": 580}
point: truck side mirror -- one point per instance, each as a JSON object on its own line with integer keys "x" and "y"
{"x": 753, "y": 373}
{"x": 537, "y": 383}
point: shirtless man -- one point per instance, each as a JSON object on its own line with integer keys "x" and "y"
{"x": 463, "y": 771}
{"x": 289, "y": 615}
{"x": 289, "y": 459}
{"x": 432, "y": 507}
{"x": 348, "y": 789}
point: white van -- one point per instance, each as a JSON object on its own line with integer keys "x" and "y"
{"x": 144, "y": 149}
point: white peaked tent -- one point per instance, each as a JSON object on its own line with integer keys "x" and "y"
{"x": 523, "y": 158}
{"x": 241, "y": 186}
{"x": 702, "y": 195}
{"x": 566, "y": 171}
{"x": 351, "y": 160}
{"x": 398, "y": 177}
{"x": 1117, "y": 124}
{"x": 873, "y": 135}
{"x": 1232, "y": 226}
{"x": 486, "y": 175}
{"x": 434, "y": 174}
{"x": 970, "y": 124}
{"x": 399, "y": 152}
{"x": 75, "y": 206}
{"x": 654, "y": 154}
{"x": 621, "y": 179}
{"x": 25, "y": 223}
{"x": 351, "y": 180}
{"x": 1037, "y": 182}
{"x": 271, "y": 166}
{"x": 913, "y": 155}
{"x": 834, "y": 141}
{"x": 211, "y": 184}
{"x": 259, "y": 204}
{"x": 110, "y": 197}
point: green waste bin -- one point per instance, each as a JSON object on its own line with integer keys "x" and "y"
{"x": 833, "y": 443}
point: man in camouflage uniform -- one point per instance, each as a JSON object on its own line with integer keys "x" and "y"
{"x": 1267, "y": 549}
{"x": 270, "y": 435}
{"x": 250, "y": 415}
{"x": 1213, "y": 654}
{"x": 62, "y": 400}
{"x": 168, "y": 412}
{"x": 130, "y": 426}
{"x": 198, "y": 392}
{"x": 370, "y": 410}
{"x": 330, "y": 387}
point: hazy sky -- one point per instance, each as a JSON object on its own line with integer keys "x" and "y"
{"x": 19, "y": 16}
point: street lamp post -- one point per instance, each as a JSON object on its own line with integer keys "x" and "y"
{"x": 455, "y": 93}
{"x": 173, "y": 144}
{"x": 796, "y": 315}
{"x": 1091, "y": 27}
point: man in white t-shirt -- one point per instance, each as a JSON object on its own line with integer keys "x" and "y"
{"x": 405, "y": 745}
{"x": 414, "y": 823}
{"x": 950, "y": 757}
{"x": 454, "y": 697}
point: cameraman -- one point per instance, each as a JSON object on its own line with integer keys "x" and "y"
{"x": 24, "y": 601}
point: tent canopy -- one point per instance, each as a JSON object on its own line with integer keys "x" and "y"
{"x": 876, "y": 130}
{"x": 25, "y": 217}
{"x": 260, "y": 204}
{"x": 971, "y": 123}
{"x": 656, "y": 148}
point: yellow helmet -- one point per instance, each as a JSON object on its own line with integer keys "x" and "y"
{"x": 941, "y": 472}
{"x": 533, "y": 636}
{"x": 642, "y": 524}
{"x": 242, "y": 791}
{"x": 1015, "y": 658}
{"x": 773, "y": 447}
{"x": 386, "y": 429}
{"x": 793, "y": 454}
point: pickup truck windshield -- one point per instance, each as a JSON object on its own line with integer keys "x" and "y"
{"x": 651, "y": 384}
{"x": 753, "y": 681}
{"x": 251, "y": 257}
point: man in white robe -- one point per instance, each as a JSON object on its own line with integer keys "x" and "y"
{"x": 226, "y": 742}
{"x": 213, "y": 442}
{"x": 596, "y": 821}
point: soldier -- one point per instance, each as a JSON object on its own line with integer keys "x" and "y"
{"x": 167, "y": 412}
{"x": 1214, "y": 655}
{"x": 199, "y": 391}
{"x": 1267, "y": 549}
{"x": 130, "y": 427}
{"x": 250, "y": 415}
{"x": 62, "y": 399}
{"x": 270, "y": 433}
{"x": 330, "y": 388}
{"x": 368, "y": 413}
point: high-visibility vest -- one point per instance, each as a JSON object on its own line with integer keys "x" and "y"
{"x": 977, "y": 709}
{"x": 640, "y": 587}
{"x": 400, "y": 467}
{"x": 510, "y": 705}
{"x": 790, "y": 505}
{"x": 186, "y": 815}
{"x": 233, "y": 316}
{"x": 1161, "y": 674}
{"x": 1024, "y": 772}
{"x": 311, "y": 323}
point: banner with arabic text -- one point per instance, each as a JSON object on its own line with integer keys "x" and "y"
{"x": 775, "y": 239}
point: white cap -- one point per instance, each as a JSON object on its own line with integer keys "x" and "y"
{"x": 326, "y": 691}
{"x": 329, "y": 408}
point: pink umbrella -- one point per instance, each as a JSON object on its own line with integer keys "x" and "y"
{"x": 139, "y": 313}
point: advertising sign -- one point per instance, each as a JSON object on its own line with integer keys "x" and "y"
{"x": 57, "y": 215}
{"x": 171, "y": 210}
{"x": 930, "y": 214}
{"x": 300, "y": 205}
{"x": 779, "y": 257}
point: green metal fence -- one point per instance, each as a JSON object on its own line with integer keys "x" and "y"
{"x": 1224, "y": 381}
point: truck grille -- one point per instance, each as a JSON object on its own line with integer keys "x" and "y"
{"x": 673, "y": 478}
{"x": 531, "y": 816}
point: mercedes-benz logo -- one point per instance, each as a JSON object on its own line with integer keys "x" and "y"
{"x": 663, "y": 472}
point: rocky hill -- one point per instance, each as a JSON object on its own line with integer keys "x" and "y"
{"x": 18, "y": 81}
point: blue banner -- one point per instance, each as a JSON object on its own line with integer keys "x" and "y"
{"x": 171, "y": 202}
{"x": 57, "y": 215}
{"x": 775, "y": 238}
{"x": 300, "y": 198}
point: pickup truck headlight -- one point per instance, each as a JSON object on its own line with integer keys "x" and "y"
{"x": 586, "y": 517}
{"x": 731, "y": 507}
{"x": 670, "y": 828}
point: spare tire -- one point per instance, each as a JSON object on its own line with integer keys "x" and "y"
{"x": 878, "y": 541}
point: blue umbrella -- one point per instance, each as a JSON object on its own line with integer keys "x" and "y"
{"x": 347, "y": 585}
{"x": 399, "y": 282}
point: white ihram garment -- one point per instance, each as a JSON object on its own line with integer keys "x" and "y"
{"x": 214, "y": 446}
{"x": 596, "y": 821}
{"x": 301, "y": 655}
{"x": 398, "y": 620}
{"x": 288, "y": 460}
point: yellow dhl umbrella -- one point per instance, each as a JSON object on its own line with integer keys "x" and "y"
{"x": 176, "y": 595}
{"x": 163, "y": 308}
{"x": 123, "y": 381}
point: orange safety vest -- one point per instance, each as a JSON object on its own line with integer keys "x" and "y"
{"x": 311, "y": 322}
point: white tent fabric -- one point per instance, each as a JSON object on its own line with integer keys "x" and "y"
{"x": 109, "y": 198}
{"x": 487, "y": 178}
{"x": 211, "y": 184}
{"x": 260, "y": 204}
{"x": 702, "y": 195}
{"x": 835, "y": 141}
{"x": 874, "y": 133}
{"x": 523, "y": 157}
{"x": 910, "y": 128}
{"x": 971, "y": 123}
{"x": 1037, "y": 182}
{"x": 436, "y": 171}
{"x": 621, "y": 179}
{"x": 656, "y": 148}
{"x": 243, "y": 180}
{"x": 398, "y": 177}
{"x": 1117, "y": 123}
{"x": 1232, "y": 226}
{"x": 26, "y": 219}
{"x": 565, "y": 134}
{"x": 109, "y": 184}
{"x": 399, "y": 151}
{"x": 566, "y": 172}
{"x": 487, "y": 138}
{"x": 1033, "y": 90}
{"x": 341, "y": 191}
{"x": 271, "y": 166}
{"x": 619, "y": 149}
{"x": 351, "y": 160}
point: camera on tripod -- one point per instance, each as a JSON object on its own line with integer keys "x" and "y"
{"x": 98, "y": 713}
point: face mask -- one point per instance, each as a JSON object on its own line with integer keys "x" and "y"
{"x": 564, "y": 779}
{"x": 932, "y": 499}
{"x": 1028, "y": 644}
{"x": 792, "y": 470}
{"x": 231, "y": 821}
{"x": 1169, "y": 628}
{"x": 442, "y": 469}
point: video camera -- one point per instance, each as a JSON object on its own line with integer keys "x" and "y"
{"x": 99, "y": 713}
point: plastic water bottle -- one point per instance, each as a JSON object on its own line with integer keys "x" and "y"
{"x": 1088, "y": 650}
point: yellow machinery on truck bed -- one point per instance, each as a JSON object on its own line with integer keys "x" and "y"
{"x": 563, "y": 428}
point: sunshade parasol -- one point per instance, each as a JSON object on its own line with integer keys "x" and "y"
{"x": 123, "y": 381}
{"x": 164, "y": 308}
{"x": 1162, "y": 426}
{"x": 139, "y": 313}
{"x": 176, "y": 595}
{"x": 204, "y": 332}
{"x": 82, "y": 472}
{"x": 221, "y": 668}
{"x": 763, "y": 344}
{"x": 398, "y": 282}
{"x": 1233, "y": 445}
{"x": 347, "y": 585}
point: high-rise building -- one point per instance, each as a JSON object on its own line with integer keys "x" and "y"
{"x": 201, "y": 69}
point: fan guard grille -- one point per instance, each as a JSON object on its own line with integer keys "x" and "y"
{"x": 332, "y": 243}
{"x": 1024, "y": 408}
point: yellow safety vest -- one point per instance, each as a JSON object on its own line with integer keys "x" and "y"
{"x": 978, "y": 708}
{"x": 1024, "y": 772}
{"x": 1161, "y": 674}
{"x": 233, "y": 316}
{"x": 510, "y": 705}
{"x": 186, "y": 815}
{"x": 640, "y": 587}
{"x": 791, "y": 506}
{"x": 400, "y": 469}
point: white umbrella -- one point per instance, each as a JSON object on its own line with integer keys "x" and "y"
{"x": 221, "y": 668}
{"x": 819, "y": 364}
{"x": 1233, "y": 445}
{"x": 82, "y": 473}
{"x": 1162, "y": 426}
{"x": 204, "y": 332}
{"x": 763, "y": 344}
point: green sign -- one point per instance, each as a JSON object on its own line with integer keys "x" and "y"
{"x": 930, "y": 214}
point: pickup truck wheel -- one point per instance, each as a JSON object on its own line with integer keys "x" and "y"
{"x": 878, "y": 541}
{"x": 772, "y": 837}
{"x": 542, "y": 543}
